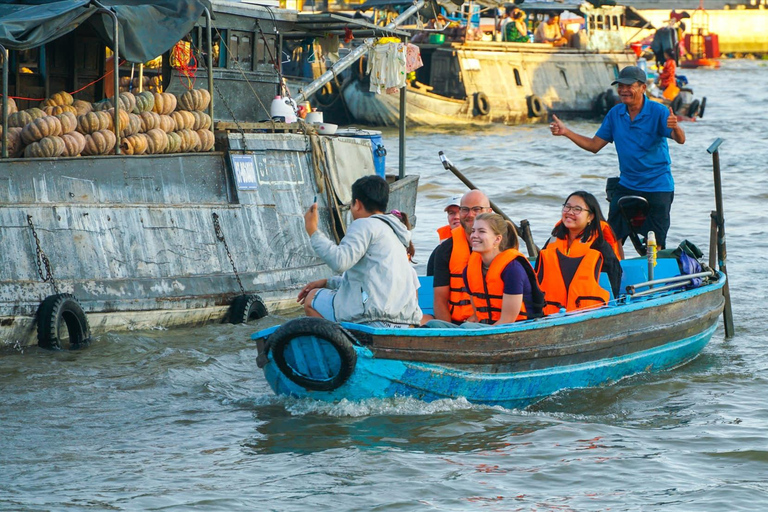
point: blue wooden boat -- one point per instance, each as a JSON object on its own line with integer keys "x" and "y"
{"x": 647, "y": 330}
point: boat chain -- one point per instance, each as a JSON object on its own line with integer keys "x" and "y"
{"x": 220, "y": 237}
{"x": 42, "y": 260}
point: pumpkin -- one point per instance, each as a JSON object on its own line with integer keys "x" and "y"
{"x": 166, "y": 123}
{"x": 82, "y": 107}
{"x": 127, "y": 101}
{"x": 11, "y": 106}
{"x": 202, "y": 120}
{"x": 74, "y": 142}
{"x": 134, "y": 144}
{"x": 149, "y": 121}
{"x": 99, "y": 143}
{"x": 40, "y": 128}
{"x": 188, "y": 142}
{"x": 157, "y": 141}
{"x": 14, "y": 141}
{"x": 24, "y": 117}
{"x": 207, "y": 140}
{"x": 60, "y": 98}
{"x": 102, "y": 105}
{"x": 174, "y": 143}
{"x": 47, "y": 147}
{"x": 133, "y": 127}
{"x": 123, "y": 119}
{"x": 194, "y": 99}
{"x": 93, "y": 122}
{"x": 68, "y": 122}
{"x": 144, "y": 102}
{"x": 183, "y": 119}
{"x": 165, "y": 103}
{"x": 59, "y": 109}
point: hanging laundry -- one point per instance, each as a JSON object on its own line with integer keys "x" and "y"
{"x": 412, "y": 57}
{"x": 386, "y": 66}
{"x": 330, "y": 47}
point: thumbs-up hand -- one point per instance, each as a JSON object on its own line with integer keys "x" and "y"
{"x": 557, "y": 127}
{"x": 672, "y": 119}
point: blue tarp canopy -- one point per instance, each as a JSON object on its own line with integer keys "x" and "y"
{"x": 147, "y": 28}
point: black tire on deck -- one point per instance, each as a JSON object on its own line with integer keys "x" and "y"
{"x": 676, "y": 103}
{"x": 693, "y": 108}
{"x": 61, "y": 322}
{"x": 246, "y": 308}
{"x": 702, "y": 107}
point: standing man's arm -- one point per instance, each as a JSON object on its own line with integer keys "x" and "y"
{"x": 678, "y": 135}
{"x": 592, "y": 144}
{"x": 339, "y": 257}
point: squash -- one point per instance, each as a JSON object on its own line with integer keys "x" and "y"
{"x": 157, "y": 141}
{"x": 93, "y": 122}
{"x": 99, "y": 143}
{"x": 207, "y": 140}
{"x": 202, "y": 120}
{"x": 195, "y": 99}
{"x": 68, "y": 122}
{"x": 183, "y": 119}
{"x": 188, "y": 140}
{"x": 127, "y": 101}
{"x": 11, "y": 106}
{"x": 15, "y": 144}
{"x": 40, "y": 128}
{"x": 59, "y": 109}
{"x": 174, "y": 143}
{"x": 149, "y": 121}
{"x": 74, "y": 142}
{"x": 82, "y": 107}
{"x": 165, "y": 103}
{"x": 134, "y": 126}
{"x": 102, "y": 105}
{"x": 22, "y": 118}
{"x": 60, "y": 98}
{"x": 47, "y": 147}
{"x": 134, "y": 144}
{"x": 144, "y": 102}
{"x": 122, "y": 121}
{"x": 167, "y": 124}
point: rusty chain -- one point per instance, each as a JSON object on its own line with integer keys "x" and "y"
{"x": 220, "y": 236}
{"x": 42, "y": 260}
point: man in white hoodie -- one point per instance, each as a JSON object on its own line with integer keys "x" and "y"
{"x": 377, "y": 287}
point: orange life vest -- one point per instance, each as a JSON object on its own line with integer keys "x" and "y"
{"x": 577, "y": 250}
{"x": 488, "y": 292}
{"x": 444, "y": 232}
{"x": 458, "y": 298}
{"x": 610, "y": 237}
{"x": 583, "y": 291}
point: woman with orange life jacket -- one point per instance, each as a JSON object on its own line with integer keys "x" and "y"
{"x": 570, "y": 264}
{"x": 500, "y": 280}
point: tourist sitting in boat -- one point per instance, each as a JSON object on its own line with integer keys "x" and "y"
{"x": 549, "y": 32}
{"x": 667, "y": 75}
{"x": 516, "y": 31}
{"x": 444, "y": 232}
{"x": 451, "y": 299}
{"x": 569, "y": 265}
{"x": 378, "y": 286}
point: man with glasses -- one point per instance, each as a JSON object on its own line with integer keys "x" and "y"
{"x": 639, "y": 128}
{"x": 452, "y": 302}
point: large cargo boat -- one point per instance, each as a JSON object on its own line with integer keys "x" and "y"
{"x": 117, "y": 241}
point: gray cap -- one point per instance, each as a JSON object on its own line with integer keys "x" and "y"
{"x": 630, "y": 75}
{"x": 453, "y": 201}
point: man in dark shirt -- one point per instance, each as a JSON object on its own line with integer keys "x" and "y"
{"x": 473, "y": 203}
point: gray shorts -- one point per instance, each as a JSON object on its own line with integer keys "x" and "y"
{"x": 322, "y": 302}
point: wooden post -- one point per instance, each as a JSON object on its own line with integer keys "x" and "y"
{"x": 713, "y": 240}
{"x": 5, "y": 103}
{"x": 401, "y": 126}
{"x": 721, "y": 251}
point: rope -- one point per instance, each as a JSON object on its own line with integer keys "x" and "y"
{"x": 182, "y": 55}
{"x": 105, "y": 75}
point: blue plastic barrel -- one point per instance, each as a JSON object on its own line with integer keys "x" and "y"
{"x": 377, "y": 146}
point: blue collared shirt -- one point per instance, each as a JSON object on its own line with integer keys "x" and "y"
{"x": 641, "y": 145}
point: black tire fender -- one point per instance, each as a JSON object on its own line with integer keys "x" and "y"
{"x": 482, "y": 104}
{"x": 601, "y": 104}
{"x": 702, "y": 107}
{"x": 693, "y": 108}
{"x": 676, "y": 103}
{"x": 61, "y": 321}
{"x": 535, "y": 106}
{"x": 611, "y": 100}
{"x": 335, "y": 335}
{"x": 246, "y": 308}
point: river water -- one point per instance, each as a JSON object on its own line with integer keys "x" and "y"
{"x": 176, "y": 420}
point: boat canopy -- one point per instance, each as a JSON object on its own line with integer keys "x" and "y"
{"x": 147, "y": 28}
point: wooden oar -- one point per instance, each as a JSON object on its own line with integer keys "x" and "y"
{"x": 524, "y": 228}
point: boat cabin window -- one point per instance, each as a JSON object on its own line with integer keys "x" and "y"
{"x": 240, "y": 50}
{"x": 518, "y": 81}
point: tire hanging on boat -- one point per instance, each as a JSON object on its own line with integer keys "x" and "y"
{"x": 482, "y": 104}
{"x": 702, "y": 106}
{"x": 324, "y": 331}
{"x": 676, "y": 103}
{"x": 601, "y": 104}
{"x": 535, "y": 107}
{"x": 61, "y": 321}
{"x": 693, "y": 108}
{"x": 246, "y": 308}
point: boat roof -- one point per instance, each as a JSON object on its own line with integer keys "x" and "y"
{"x": 147, "y": 28}
{"x": 321, "y": 24}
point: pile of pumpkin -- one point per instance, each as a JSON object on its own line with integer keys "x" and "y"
{"x": 149, "y": 123}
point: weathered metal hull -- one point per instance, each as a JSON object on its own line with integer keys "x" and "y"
{"x": 519, "y": 364}
{"x": 567, "y": 81}
{"x": 133, "y": 237}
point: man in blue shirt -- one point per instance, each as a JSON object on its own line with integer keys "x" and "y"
{"x": 639, "y": 128}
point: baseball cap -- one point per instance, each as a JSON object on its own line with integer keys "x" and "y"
{"x": 453, "y": 201}
{"x": 630, "y": 75}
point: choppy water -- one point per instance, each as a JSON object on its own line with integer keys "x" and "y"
{"x": 184, "y": 419}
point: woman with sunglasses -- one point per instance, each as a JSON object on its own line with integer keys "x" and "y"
{"x": 570, "y": 264}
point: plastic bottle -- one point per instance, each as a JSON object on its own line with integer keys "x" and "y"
{"x": 281, "y": 107}
{"x": 650, "y": 243}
